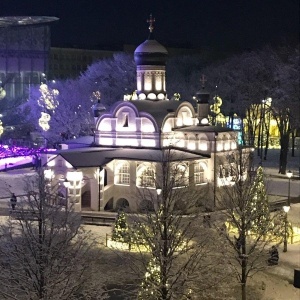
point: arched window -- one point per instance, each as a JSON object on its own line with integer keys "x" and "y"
{"x": 122, "y": 175}
{"x": 199, "y": 173}
{"x": 146, "y": 176}
{"x": 180, "y": 174}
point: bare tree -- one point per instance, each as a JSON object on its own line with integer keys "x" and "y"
{"x": 44, "y": 252}
{"x": 177, "y": 256}
{"x": 247, "y": 211}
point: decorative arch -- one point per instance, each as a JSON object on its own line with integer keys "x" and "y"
{"x": 203, "y": 142}
{"x": 126, "y": 126}
{"x": 185, "y": 115}
{"x": 191, "y": 141}
{"x": 122, "y": 204}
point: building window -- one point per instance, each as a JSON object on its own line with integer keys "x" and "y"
{"x": 180, "y": 174}
{"x": 199, "y": 173}
{"x": 122, "y": 175}
{"x": 146, "y": 176}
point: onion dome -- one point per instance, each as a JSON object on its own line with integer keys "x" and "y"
{"x": 98, "y": 108}
{"x": 150, "y": 52}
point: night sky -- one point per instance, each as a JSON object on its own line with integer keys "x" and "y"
{"x": 227, "y": 25}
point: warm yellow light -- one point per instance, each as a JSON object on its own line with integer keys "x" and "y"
{"x": 48, "y": 174}
{"x": 44, "y": 121}
{"x": 74, "y": 176}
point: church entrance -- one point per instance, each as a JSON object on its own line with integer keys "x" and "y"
{"x": 86, "y": 201}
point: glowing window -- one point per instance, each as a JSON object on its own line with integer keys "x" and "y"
{"x": 122, "y": 175}
{"x": 180, "y": 174}
{"x": 199, "y": 173}
{"x": 146, "y": 176}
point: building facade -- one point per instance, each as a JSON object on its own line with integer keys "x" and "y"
{"x": 132, "y": 138}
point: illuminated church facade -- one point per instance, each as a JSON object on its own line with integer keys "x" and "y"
{"x": 130, "y": 138}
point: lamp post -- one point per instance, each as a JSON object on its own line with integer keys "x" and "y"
{"x": 285, "y": 242}
{"x": 289, "y": 174}
{"x": 66, "y": 184}
{"x": 158, "y": 191}
{"x": 215, "y": 171}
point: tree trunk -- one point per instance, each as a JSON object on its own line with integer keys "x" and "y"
{"x": 267, "y": 138}
{"x": 284, "y": 148}
{"x": 259, "y": 140}
{"x": 293, "y": 143}
{"x": 244, "y": 267}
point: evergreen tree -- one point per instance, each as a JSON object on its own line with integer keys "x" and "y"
{"x": 259, "y": 204}
{"x": 151, "y": 281}
{"x": 121, "y": 230}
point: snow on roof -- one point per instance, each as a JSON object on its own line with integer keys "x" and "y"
{"x": 95, "y": 157}
{"x": 151, "y": 46}
{"x": 208, "y": 128}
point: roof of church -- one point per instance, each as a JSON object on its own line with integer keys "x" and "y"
{"x": 208, "y": 128}
{"x": 151, "y": 46}
{"x": 158, "y": 109}
{"x": 96, "y": 157}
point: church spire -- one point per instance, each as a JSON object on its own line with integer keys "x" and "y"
{"x": 203, "y": 80}
{"x": 151, "y": 22}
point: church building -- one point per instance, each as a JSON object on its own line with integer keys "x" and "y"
{"x": 131, "y": 137}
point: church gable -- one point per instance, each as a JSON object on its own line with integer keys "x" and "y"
{"x": 184, "y": 116}
{"x": 125, "y": 125}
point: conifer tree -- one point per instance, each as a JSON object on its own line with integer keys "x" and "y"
{"x": 151, "y": 281}
{"x": 120, "y": 232}
{"x": 259, "y": 206}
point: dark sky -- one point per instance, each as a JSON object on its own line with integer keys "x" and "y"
{"x": 223, "y": 24}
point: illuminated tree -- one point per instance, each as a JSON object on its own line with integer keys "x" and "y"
{"x": 69, "y": 115}
{"x": 174, "y": 256}
{"x": 247, "y": 213}
{"x": 121, "y": 231}
{"x": 151, "y": 282}
{"x": 259, "y": 206}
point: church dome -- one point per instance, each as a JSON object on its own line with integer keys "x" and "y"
{"x": 150, "y": 52}
{"x": 151, "y": 46}
{"x": 98, "y": 108}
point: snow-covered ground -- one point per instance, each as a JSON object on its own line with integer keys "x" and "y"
{"x": 277, "y": 281}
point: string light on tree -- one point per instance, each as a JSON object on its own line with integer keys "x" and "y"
{"x": 44, "y": 121}
{"x": 151, "y": 281}
{"x": 48, "y": 99}
{"x": 121, "y": 230}
{"x": 259, "y": 204}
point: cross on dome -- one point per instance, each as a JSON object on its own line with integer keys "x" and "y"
{"x": 203, "y": 80}
{"x": 151, "y": 23}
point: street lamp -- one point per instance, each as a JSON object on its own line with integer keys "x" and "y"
{"x": 158, "y": 191}
{"x": 289, "y": 174}
{"x": 286, "y": 210}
